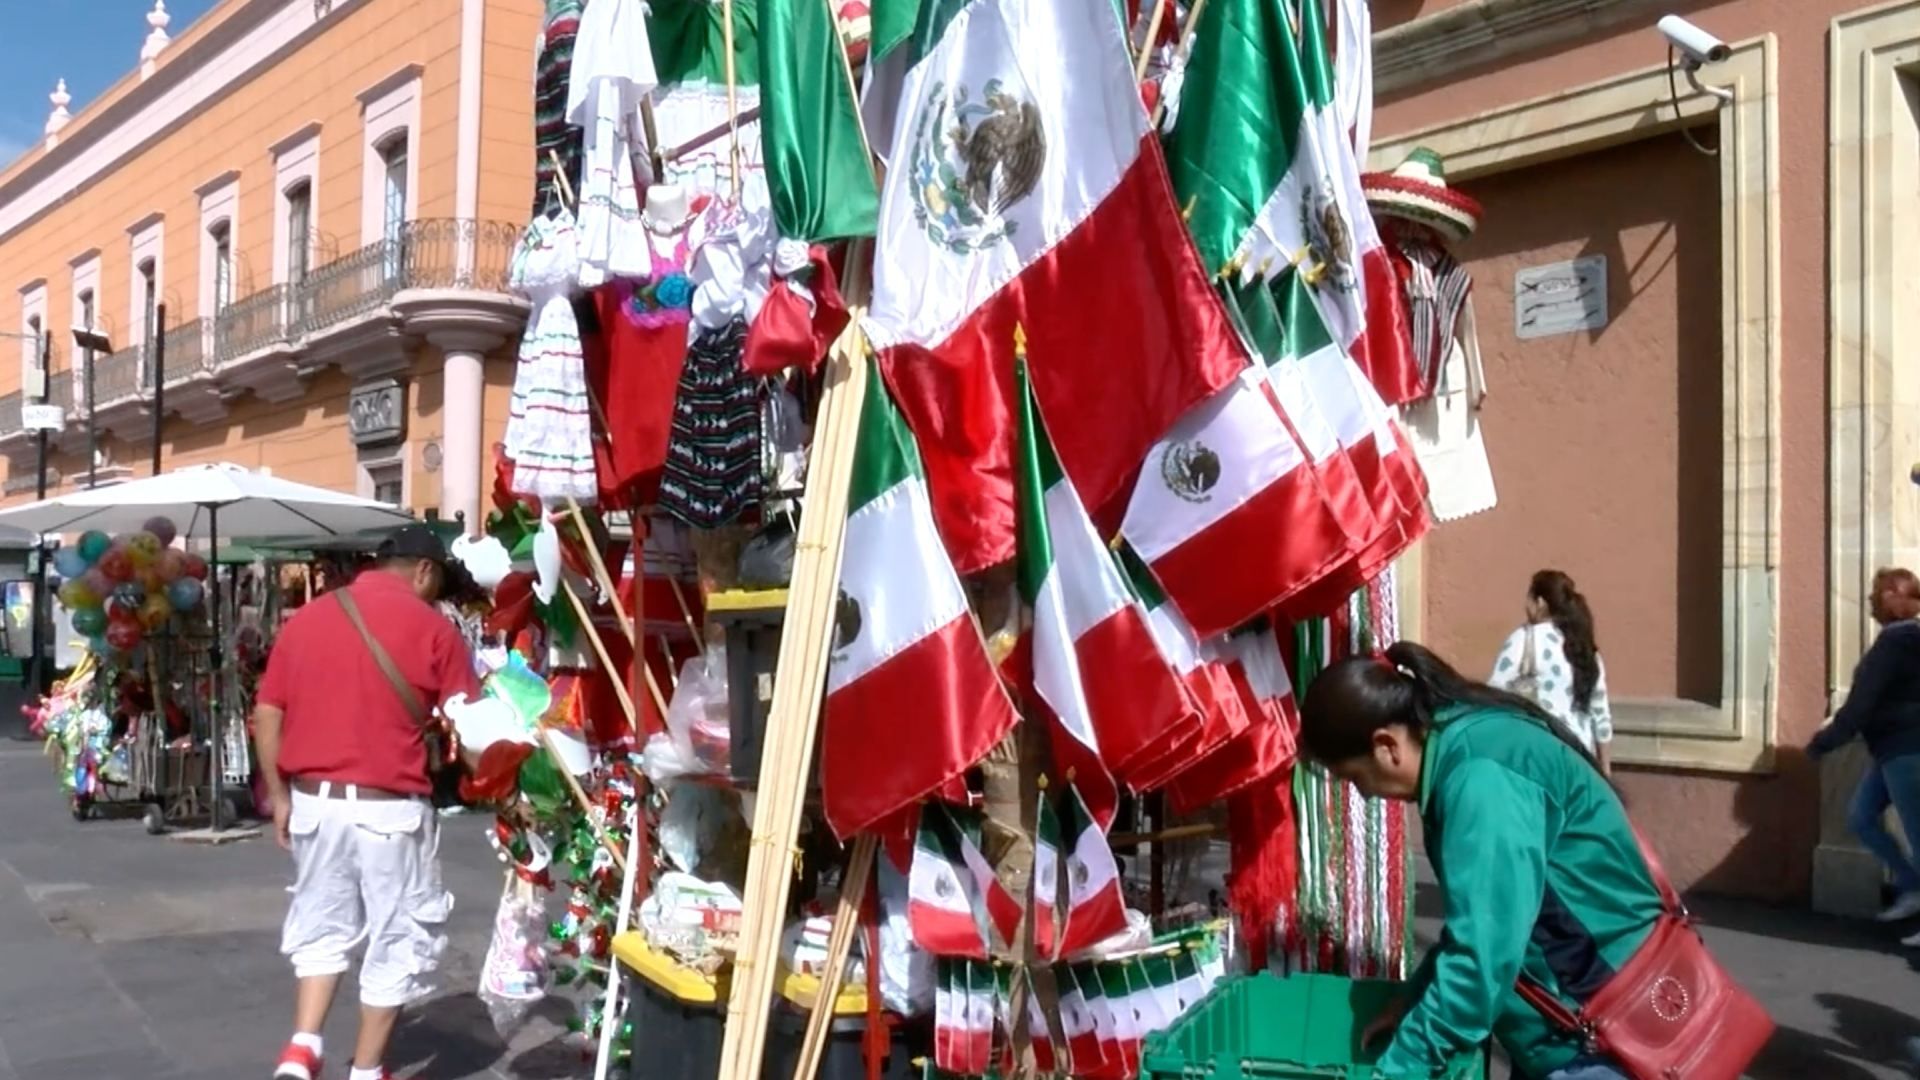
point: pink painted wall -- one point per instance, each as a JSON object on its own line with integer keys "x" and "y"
{"x": 1748, "y": 835}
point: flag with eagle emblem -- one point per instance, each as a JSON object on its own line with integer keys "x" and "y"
{"x": 1023, "y": 186}
{"x": 912, "y": 697}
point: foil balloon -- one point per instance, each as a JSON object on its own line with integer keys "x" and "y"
{"x": 156, "y": 611}
{"x": 125, "y": 635}
{"x": 93, "y": 544}
{"x": 116, "y": 564}
{"x": 75, "y": 595}
{"x": 130, "y": 595}
{"x": 70, "y": 563}
{"x": 162, "y": 528}
{"x": 195, "y": 567}
{"x": 142, "y": 548}
{"x": 185, "y": 594}
{"x": 89, "y": 621}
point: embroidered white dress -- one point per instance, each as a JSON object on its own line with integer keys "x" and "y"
{"x": 612, "y": 75}
{"x": 1553, "y": 679}
{"x": 549, "y": 434}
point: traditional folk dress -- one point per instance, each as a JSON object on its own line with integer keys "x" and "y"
{"x": 549, "y": 434}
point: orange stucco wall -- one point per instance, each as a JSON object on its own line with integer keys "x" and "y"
{"x": 1751, "y": 835}
{"x": 319, "y": 81}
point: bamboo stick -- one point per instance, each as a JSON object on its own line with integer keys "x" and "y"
{"x": 846, "y": 924}
{"x": 686, "y": 612}
{"x": 733, "y": 96}
{"x": 580, "y": 796}
{"x": 1180, "y": 50}
{"x": 853, "y": 85}
{"x": 799, "y": 684}
{"x": 600, "y": 651}
{"x": 604, "y": 581}
{"x": 609, "y": 1023}
{"x": 1146, "y": 46}
{"x": 601, "y": 576}
{"x": 560, "y": 179}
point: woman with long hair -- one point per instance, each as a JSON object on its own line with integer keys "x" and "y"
{"x": 1554, "y": 661}
{"x": 1541, "y": 873}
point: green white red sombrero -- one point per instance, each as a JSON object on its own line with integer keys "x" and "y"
{"x": 1417, "y": 191}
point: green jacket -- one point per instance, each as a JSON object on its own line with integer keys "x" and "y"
{"x": 1540, "y": 873}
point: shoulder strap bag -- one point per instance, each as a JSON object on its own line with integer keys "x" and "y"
{"x": 1671, "y": 1012}
{"x": 1526, "y": 682}
{"x": 409, "y": 699}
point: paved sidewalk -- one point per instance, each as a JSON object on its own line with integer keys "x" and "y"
{"x": 130, "y": 957}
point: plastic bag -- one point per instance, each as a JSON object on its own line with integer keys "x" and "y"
{"x": 702, "y": 831}
{"x": 514, "y": 976}
{"x": 906, "y": 970}
{"x": 766, "y": 561}
{"x": 697, "y": 715}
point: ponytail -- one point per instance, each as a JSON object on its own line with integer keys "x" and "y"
{"x": 1574, "y": 619}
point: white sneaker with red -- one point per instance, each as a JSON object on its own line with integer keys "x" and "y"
{"x": 297, "y": 1062}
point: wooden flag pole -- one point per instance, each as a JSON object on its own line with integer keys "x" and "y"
{"x": 1146, "y": 46}
{"x": 733, "y": 95}
{"x": 604, "y": 580}
{"x": 600, "y": 653}
{"x": 1180, "y": 50}
{"x": 799, "y": 684}
{"x": 846, "y": 926}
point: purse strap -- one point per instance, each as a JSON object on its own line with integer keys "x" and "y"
{"x": 1545, "y": 1002}
{"x": 401, "y": 686}
{"x": 1529, "y": 667}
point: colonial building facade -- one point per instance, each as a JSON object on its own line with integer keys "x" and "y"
{"x": 291, "y": 225}
{"x": 1726, "y": 450}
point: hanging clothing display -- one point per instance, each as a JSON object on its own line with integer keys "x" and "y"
{"x": 612, "y": 75}
{"x": 712, "y": 472}
{"x": 634, "y": 374}
{"x": 553, "y": 136}
{"x": 549, "y": 435}
{"x": 1421, "y": 214}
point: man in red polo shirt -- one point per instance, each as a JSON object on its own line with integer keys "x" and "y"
{"x": 343, "y": 750}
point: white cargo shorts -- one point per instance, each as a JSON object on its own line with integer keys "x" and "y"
{"x": 369, "y": 873}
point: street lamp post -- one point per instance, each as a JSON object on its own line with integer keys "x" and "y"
{"x": 92, "y": 343}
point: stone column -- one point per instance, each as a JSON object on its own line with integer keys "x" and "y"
{"x": 462, "y": 398}
{"x": 1846, "y": 876}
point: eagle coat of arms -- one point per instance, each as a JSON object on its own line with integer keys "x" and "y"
{"x": 972, "y": 161}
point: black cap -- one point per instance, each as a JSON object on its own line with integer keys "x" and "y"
{"x": 414, "y": 542}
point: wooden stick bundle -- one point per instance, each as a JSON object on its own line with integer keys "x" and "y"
{"x": 799, "y": 684}
{"x": 846, "y": 926}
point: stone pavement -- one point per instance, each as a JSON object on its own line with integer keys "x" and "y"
{"x": 130, "y": 957}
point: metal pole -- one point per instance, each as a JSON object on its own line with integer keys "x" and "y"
{"x": 159, "y": 379}
{"x": 219, "y": 699}
{"x": 42, "y": 610}
{"x": 93, "y": 454}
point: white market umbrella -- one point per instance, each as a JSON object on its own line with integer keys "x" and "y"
{"x": 209, "y": 500}
{"x": 205, "y": 500}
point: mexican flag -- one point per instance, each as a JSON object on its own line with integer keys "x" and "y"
{"x": 1003, "y": 910}
{"x": 818, "y": 171}
{"x": 912, "y": 696}
{"x": 1217, "y": 713}
{"x": 964, "y": 1017}
{"x": 1046, "y": 880}
{"x": 1024, "y": 188}
{"x": 944, "y": 905}
{"x": 1095, "y": 662}
{"x": 1231, "y": 485}
{"x": 1078, "y": 1023}
{"x": 1125, "y": 1007}
{"x": 1259, "y": 674}
{"x": 1095, "y": 909}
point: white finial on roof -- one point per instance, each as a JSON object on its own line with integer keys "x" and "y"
{"x": 59, "y": 117}
{"x": 157, "y": 38}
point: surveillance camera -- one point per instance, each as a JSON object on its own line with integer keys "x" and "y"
{"x": 1699, "y": 46}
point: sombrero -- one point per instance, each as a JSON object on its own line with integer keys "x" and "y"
{"x": 1417, "y": 191}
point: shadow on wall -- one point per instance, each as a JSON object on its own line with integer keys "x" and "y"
{"x": 1772, "y": 860}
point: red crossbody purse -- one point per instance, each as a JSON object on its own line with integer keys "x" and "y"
{"x": 1671, "y": 1012}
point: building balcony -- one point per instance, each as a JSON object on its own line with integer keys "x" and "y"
{"x": 15, "y": 440}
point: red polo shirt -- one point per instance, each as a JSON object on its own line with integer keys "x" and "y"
{"x": 344, "y": 721}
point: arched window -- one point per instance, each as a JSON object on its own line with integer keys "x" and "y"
{"x": 299, "y": 230}
{"x": 220, "y": 233}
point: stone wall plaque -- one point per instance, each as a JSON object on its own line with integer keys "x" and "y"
{"x": 1560, "y": 298}
{"x": 377, "y": 413}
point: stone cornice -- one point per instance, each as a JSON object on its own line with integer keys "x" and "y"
{"x": 1480, "y": 31}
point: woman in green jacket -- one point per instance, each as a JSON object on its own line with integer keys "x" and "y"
{"x": 1539, "y": 869}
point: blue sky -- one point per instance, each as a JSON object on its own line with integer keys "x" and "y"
{"x": 90, "y": 43}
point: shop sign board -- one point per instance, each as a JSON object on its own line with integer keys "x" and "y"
{"x": 1560, "y": 298}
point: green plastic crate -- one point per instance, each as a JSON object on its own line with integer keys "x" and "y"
{"x": 1266, "y": 1027}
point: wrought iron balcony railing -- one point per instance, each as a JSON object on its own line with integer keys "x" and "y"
{"x": 120, "y": 376}
{"x": 252, "y": 323}
{"x": 190, "y": 351}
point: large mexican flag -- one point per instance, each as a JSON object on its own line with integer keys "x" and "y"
{"x": 1024, "y": 187}
{"x": 913, "y": 699}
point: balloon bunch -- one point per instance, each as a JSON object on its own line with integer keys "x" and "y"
{"x": 119, "y": 589}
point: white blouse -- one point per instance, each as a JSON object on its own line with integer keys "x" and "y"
{"x": 1553, "y": 678}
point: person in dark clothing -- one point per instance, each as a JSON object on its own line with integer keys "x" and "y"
{"x": 1883, "y": 708}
